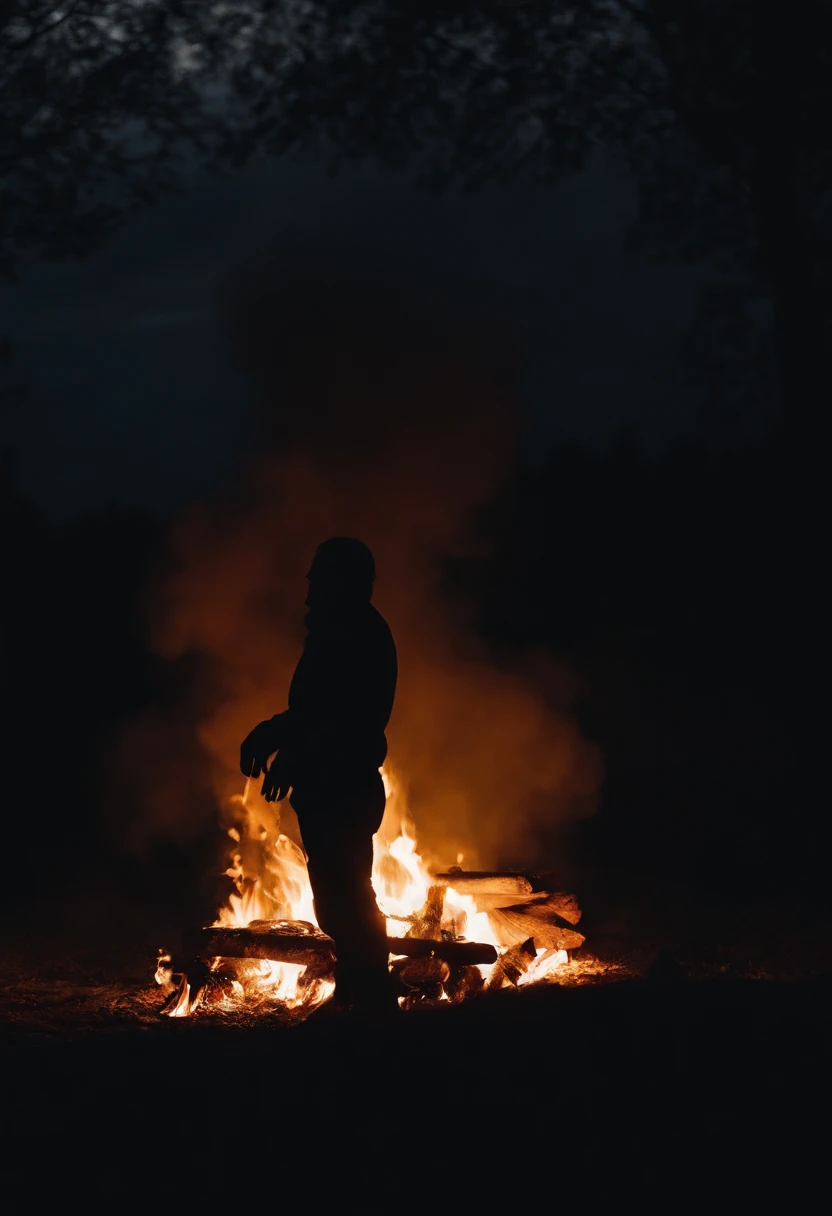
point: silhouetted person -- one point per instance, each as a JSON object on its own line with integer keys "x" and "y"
{"x": 330, "y": 744}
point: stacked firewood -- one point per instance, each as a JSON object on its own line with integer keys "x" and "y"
{"x": 519, "y": 907}
{"x": 524, "y": 917}
{"x": 429, "y": 963}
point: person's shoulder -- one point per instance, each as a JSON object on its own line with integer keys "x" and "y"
{"x": 378, "y": 624}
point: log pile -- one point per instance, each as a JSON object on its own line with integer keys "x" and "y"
{"x": 429, "y": 964}
{"x": 474, "y": 882}
{"x": 519, "y": 908}
{"x": 526, "y": 915}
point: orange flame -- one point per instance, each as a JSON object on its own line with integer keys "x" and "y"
{"x": 401, "y": 881}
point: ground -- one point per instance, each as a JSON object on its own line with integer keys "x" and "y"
{"x": 664, "y": 1060}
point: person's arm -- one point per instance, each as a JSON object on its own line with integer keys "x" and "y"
{"x": 266, "y": 738}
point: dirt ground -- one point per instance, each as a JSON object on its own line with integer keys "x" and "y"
{"x": 664, "y": 1059}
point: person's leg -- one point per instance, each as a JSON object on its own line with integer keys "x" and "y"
{"x": 338, "y": 842}
{"x": 362, "y": 946}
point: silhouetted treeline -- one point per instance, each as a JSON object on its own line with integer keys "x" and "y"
{"x": 659, "y": 583}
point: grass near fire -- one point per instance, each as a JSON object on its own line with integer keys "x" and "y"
{"x": 61, "y": 1005}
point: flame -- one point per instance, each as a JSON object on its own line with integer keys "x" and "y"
{"x": 283, "y": 892}
{"x": 401, "y": 880}
{"x": 280, "y": 890}
{"x": 546, "y": 962}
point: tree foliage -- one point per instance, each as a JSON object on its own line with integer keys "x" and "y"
{"x": 98, "y": 111}
{"x": 717, "y": 106}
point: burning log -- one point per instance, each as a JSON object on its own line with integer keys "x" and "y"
{"x": 555, "y": 906}
{"x": 464, "y": 982}
{"x": 428, "y": 921}
{"x": 279, "y": 941}
{"x": 420, "y": 979}
{"x": 486, "y": 900}
{"x": 427, "y": 994}
{"x": 456, "y": 953}
{"x": 416, "y": 972}
{"x": 511, "y": 965}
{"x": 520, "y": 921}
{"x": 224, "y": 985}
{"x": 560, "y": 903}
{"x": 294, "y": 942}
{"x": 563, "y": 905}
{"x": 472, "y": 882}
{"x": 198, "y": 977}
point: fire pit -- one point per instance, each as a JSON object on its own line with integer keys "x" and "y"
{"x": 451, "y": 934}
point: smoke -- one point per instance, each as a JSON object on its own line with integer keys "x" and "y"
{"x": 384, "y": 407}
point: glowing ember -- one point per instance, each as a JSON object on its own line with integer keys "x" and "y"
{"x": 272, "y": 884}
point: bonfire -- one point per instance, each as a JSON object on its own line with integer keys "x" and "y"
{"x": 451, "y": 933}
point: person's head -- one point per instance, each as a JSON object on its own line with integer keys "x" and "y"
{"x": 342, "y": 573}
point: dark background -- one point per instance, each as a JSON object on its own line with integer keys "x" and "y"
{"x": 661, "y": 533}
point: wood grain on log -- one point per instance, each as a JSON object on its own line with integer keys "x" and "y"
{"x": 457, "y": 953}
{"x": 279, "y": 941}
{"x": 514, "y": 924}
{"x": 511, "y": 965}
{"x": 292, "y": 942}
{"x": 417, "y": 971}
{"x": 469, "y": 882}
{"x": 563, "y": 904}
{"x": 559, "y": 902}
{"x": 423, "y": 975}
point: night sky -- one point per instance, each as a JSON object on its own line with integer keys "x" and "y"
{"x": 130, "y": 394}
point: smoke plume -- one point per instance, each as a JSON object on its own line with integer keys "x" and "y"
{"x": 384, "y": 408}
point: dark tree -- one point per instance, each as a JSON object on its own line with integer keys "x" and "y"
{"x": 100, "y": 100}
{"x": 742, "y": 172}
{"x": 717, "y": 106}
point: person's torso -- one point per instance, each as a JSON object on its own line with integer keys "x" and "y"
{"x": 341, "y": 698}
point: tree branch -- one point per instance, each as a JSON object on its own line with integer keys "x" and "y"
{"x": 44, "y": 27}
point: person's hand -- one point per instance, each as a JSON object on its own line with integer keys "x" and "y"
{"x": 277, "y": 782}
{"x": 257, "y": 747}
